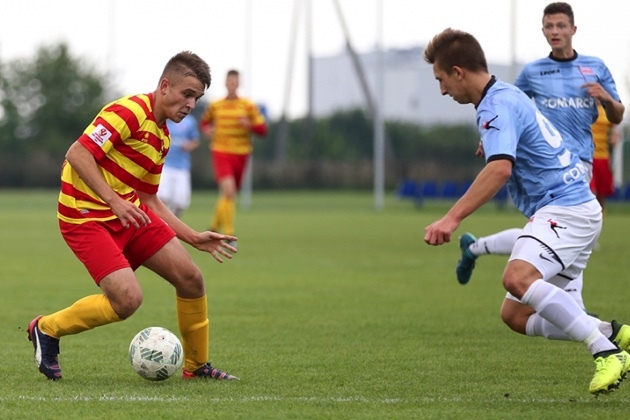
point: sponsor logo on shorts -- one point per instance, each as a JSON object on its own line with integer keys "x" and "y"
{"x": 544, "y": 257}
{"x": 554, "y": 225}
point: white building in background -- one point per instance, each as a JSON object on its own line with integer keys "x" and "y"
{"x": 411, "y": 92}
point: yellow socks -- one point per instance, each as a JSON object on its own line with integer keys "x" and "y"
{"x": 94, "y": 311}
{"x": 223, "y": 220}
{"x": 85, "y": 314}
{"x": 192, "y": 318}
{"x": 229, "y": 210}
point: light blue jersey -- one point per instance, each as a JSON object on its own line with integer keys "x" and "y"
{"x": 180, "y": 133}
{"x": 545, "y": 172}
{"x": 555, "y": 85}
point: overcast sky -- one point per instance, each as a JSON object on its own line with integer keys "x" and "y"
{"x": 133, "y": 39}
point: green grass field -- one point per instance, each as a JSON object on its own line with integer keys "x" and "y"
{"x": 329, "y": 310}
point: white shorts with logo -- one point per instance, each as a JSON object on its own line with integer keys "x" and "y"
{"x": 174, "y": 189}
{"x": 558, "y": 241}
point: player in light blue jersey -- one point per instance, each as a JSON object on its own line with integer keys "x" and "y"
{"x": 559, "y": 87}
{"x": 565, "y": 87}
{"x": 548, "y": 185}
{"x": 175, "y": 184}
{"x": 546, "y": 172}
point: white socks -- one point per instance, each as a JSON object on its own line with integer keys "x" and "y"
{"x": 537, "y": 326}
{"x": 499, "y": 243}
{"x": 560, "y": 310}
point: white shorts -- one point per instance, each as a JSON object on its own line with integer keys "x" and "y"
{"x": 558, "y": 241}
{"x": 174, "y": 189}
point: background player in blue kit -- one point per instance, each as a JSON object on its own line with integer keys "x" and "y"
{"x": 565, "y": 86}
{"x": 175, "y": 185}
{"x": 548, "y": 185}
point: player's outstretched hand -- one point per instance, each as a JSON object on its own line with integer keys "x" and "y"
{"x": 215, "y": 244}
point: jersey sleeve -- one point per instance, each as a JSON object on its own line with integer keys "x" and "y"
{"x": 522, "y": 82}
{"x": 257, "y": 119}
{"x": 608, "y": 83}
{"x": 498, "y": 129}
{"x": 108, "y": 129}
{"x": 207, "y": 118}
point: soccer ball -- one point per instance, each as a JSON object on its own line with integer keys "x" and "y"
{"x": 156, "y": 353}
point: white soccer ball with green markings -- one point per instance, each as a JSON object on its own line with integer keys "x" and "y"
{"x": 156, "y": 353}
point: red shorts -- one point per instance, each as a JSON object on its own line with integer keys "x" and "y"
{"x": 602, "y": 182}
{"x": 228, "y": 164}
{"x": 104, "y": 247}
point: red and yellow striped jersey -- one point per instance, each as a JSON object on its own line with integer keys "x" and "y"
{"x": 602, "y": 130}
{"x": 230, "y": 136}
{"x": 129, "y": 148}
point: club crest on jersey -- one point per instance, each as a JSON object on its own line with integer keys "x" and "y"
{"x": 487, "y": 125}
{"x": 100, "y": 134}
{"x": 586, "y": 71}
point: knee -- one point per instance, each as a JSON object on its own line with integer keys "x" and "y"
{"x": 126, "y": 305}
{"x": 514, "y": 284}
{"x": 228, "y": 188}
{"x": 519, "y": 276}
{"x": 516, "y": 315}
{"x": 508, "y": 284}
{"x": 191, "y": 283}
{"x": 509, "y": 318}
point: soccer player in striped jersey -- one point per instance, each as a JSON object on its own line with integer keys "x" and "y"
{"x": 605, "y": 136}
{"x": 566, "y": 87}
{"x": 547, "y": 183}
{"x": 112, "y": 219}
{"x": 229, "y": 124}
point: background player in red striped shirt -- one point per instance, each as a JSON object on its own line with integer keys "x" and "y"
{"x": 605, "y": 137}
{"x": 229, "y": 123}
{"x": 112, "y": 219}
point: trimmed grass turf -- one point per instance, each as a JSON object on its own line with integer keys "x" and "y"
{"x": 329, "y": 310}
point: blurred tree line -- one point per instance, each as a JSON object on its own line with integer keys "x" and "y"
{"x": 47, "y": 100}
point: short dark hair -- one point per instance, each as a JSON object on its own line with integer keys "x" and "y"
{"x": 559, "y": 7}
{"x": 233, "y": 72}
{"x": 453, "y": 47}
{"x": 187, "y": 63}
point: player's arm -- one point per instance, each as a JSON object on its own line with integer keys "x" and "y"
{"x": 254, "y": 120}
{"x": 207, "y": 129}
{"x": 206, "y": 123}
{"x": 258, "y": 122}
{"x": 485, "y": 186}
{"x": 211, "y": 242}
{"x": 259, "y": 129}
{"x": 190, "y": 145}
{"x": 614, "y": 109}
{"x": 83, "y": 162}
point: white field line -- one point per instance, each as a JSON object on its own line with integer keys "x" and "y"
{"x": 263, "y": 398}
